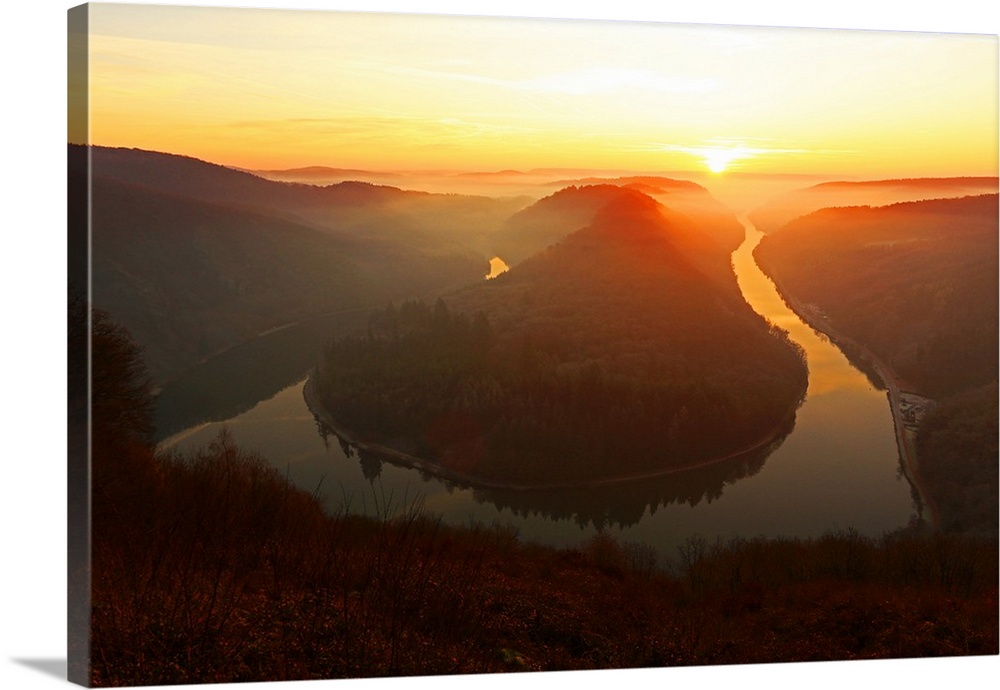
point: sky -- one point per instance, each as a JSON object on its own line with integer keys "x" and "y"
{"x": 275, "y": 89}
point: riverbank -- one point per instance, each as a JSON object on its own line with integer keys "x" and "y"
{"x": 245, "y": 575}
{"x": 399, "y": 458}
{"x": 907, "y": 454}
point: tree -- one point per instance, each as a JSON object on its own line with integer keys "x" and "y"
{"x": 121, "y": 391}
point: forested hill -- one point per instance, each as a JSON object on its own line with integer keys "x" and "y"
{"x": 557, "y": 215}
{"x": 917, "y": 284}
{"x": 609, "y": 353}
{"x": 685, "y": 197}
{"x": 636, "y": 259}
{"x": 427, "y": 222}
{"x": 550, "y": 219}
{"x": 190, "y": 277}
{"x": 772, "y": 215}
{"x": 198, "y": 179}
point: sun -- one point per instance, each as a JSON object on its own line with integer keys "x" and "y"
{"x": 718, "y": 158}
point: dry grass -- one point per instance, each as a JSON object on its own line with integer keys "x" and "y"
{"x": 212, "y": 568}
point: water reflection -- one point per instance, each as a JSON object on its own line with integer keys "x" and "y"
{"x": 228, "y": 384}
{"x": 626, "y": 505}
{"x": 836, "y": 470}
{"x": 497, "y": 266}
{"x": 620, "y": 505}
{"x": 828, "y": 367}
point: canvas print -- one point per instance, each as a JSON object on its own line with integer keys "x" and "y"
{"x": 407, "y": 345}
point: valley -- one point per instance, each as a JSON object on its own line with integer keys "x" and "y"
{"x": 426, "y": 345}
{"x": 608, "y": 280}
{"x": 632, "y": 383}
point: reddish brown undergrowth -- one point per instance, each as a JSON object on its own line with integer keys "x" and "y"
{"x": 212, "y": 568}
{"x": 222, "y": 572}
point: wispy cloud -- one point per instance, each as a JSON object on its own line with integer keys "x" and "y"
{"x": 580, "y": 83}
{"x": 719, "y": 154}
{"x": 382, "y": 128}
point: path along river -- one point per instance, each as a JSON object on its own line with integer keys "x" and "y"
{"x": 838, "y": 468}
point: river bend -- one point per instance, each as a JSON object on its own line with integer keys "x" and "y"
{"x": 838, "y": 468}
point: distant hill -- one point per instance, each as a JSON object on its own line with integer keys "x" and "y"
{"x": 430, "y": 223}
{"x": 659, "y": 183}
{"x": 775, "y": 213}
{"x": 628, "y": 235}
{"x": 608, "y": 353}
{"x": 189, "y": 278}
{"x": 322, "y": 172}
{"x": 499, "y": 174}
{"x": 204, "y": 181}
{"x": 549, "y": 220}
{"x": 557, "y": 215}
{"x": 193, "y": 258}
{"x": 323, "y": 176}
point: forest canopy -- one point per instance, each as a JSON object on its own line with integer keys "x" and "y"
{"x": 916, "y": 283}
{"x": 609, "y": 354}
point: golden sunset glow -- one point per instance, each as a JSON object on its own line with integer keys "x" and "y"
{"x": 281, "y": 89}
{"x": 717, "y": 161}
{"x": 408, "y": 345}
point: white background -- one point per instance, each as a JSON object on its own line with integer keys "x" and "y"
{"x": 33, "y": 374}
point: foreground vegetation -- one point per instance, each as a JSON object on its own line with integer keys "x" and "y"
{"x": 240, "y": 578}
{"x": 211, "y": 568}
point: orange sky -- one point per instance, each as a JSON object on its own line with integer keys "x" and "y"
{"x": 280, "y": 89}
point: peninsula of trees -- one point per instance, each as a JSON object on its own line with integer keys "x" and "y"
{"x": 625, "y": 348}
{"x": 209, "y": 567}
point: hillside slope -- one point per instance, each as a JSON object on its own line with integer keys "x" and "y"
{"x": 429, "y": 223}
{"x": 191, "y": 277}
{"x": 609, "y": 353}
{"x": 772, "y": 215}
{"x": 916, "y": 283}
{"x": 571, "y": 208}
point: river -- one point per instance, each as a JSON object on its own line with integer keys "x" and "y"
{"x": 837, "y": 468}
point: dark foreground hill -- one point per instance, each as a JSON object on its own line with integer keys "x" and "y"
{"x": 210, "y": 568}
{"x": 624, "y": 348}
{"x": 916, "y": 283}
